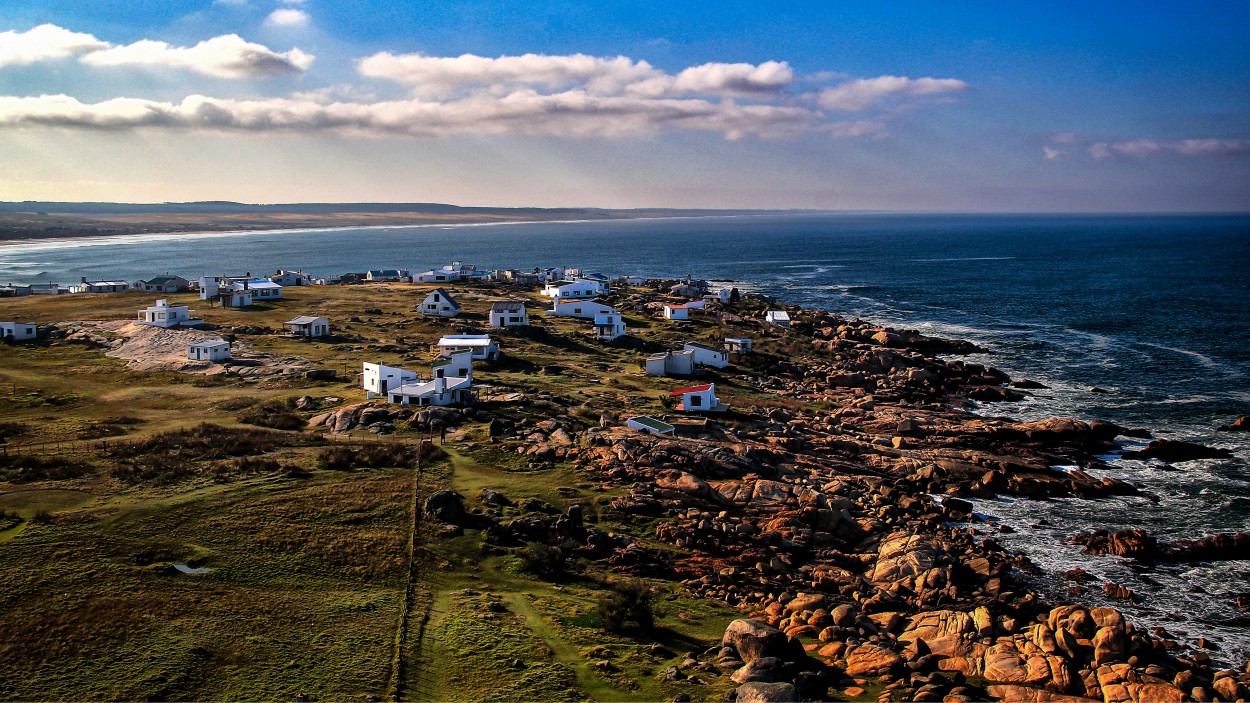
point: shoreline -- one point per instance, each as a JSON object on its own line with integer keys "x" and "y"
{"x": 139, "y": 237}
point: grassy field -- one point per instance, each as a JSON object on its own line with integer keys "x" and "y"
{"x": 107, "y": 482}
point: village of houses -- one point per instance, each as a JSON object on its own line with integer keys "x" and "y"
{"x": 449, "y": 378}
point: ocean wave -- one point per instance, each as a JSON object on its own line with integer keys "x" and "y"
{"x": 965, "y": 258}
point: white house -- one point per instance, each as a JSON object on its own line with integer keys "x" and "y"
{"x": 629, "y": 280}
{"x": 17, "y": 331}
{"x": 453, "y": 363}
{"x": 291, "y": 278}
{"x": 585, "y": 309}
{"x": 236, "y": 292}
{"x": 308, "y": 326}
{"x": 165, "y": 315}
{"x": 651, "y": 425}
{"x": 439, "y": 391}
{"x": 676, "y": 312}
{"x": 708, "y": 356}
{"x": 386, "y": 275}
{"x": 696, "y": 304}
{"x": 672, "y": 363}
{"x": 698, "y": 399}
{"x": 436, "y": 276}
{"x": 510, "y": 313}
{"x": 164, "y": 284}
{"x": 482, "y": 347}
{"x": 738, "y": 345}
{"x": 609, "y": 326}
{"x": 721, "y": 296}
{"x": 579, "y": 288}
{"x": 99, "y": 286}
{"x": 215, "y": 350}
{"x": 379, "y": 380}
{"x": 781, "y": 318}
{"x": 439, "y": 303}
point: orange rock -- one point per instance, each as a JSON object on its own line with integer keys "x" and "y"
{"x": 833, "y": 650}
{"x": 868, "y": 659}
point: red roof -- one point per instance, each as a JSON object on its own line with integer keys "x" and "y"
{"x": 676, "y": 307}
{"x": 692, "y": 389}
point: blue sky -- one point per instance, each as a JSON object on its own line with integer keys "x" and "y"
{"x": 896, "y": 106}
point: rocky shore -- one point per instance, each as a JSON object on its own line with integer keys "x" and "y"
{"x": 833, "y": 513}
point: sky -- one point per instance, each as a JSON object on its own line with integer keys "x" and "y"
{"x": 910, "y": 106}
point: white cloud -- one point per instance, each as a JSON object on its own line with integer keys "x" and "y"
{"x": 44, "y": 43}
{"x": 1050, "y": 153}
{"x": 620, "y": 75}
{"x": 442, "y": 75}
{"x": 1140, "y": 148}
{"x": 865, "y": 93}
{"x": 287, "y": 17}
{"x": 570, "y": 113}
{"x": 227, "y": 56}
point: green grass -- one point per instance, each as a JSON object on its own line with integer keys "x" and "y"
{"x": 308, "y": 574}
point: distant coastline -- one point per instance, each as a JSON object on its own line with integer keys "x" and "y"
{"x": 30, "y": 222}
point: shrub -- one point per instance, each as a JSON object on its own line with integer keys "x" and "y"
{"x": 542, "y": 560}
{"x": 25, "y": 469}
{"x": 626, "y": 606}
{"x": 275, "y": 414}
{"x": 376, "y": 455}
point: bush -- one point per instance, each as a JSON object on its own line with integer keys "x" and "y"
{"x": 626, "y": 606}
{"x": 275, "y": 414}
{"x": 543, "y": 561}
{"x": 173, "y": 456}
{"x": 25, "y": 469}
{"x": 376, "y": 455}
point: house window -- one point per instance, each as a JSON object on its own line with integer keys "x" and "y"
{"x": 577, "y": 311}
{"x": 435, "y": 297}
{"x": 695, "y": 401}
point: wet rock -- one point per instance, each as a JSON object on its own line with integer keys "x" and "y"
{"x": 1176, "y": 450}
{"x": 1241, "y": 424}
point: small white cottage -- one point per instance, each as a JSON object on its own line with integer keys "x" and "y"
{"x": 439, "y": 303}
{"x": 379, "y": 380}
{"x": 698, "y": 399}
{"x": 214, "y": 350}
{"x": 453, "y": 363}
{"x": 308, "y": 326}
{"x": 781, "y": 318}
{"x": 585, "y": 309}
{"x": 671, "y": 363}
{"x": 676, "y": 312}
{"x": 165, "y": 315}
{"x": 579, "y": 288}
{"x": 708, "y": 356}
{"x": 17, "y": 331}
{"x": 481, "y": 346}
{"x": 721, "y": 296}
{"x": 609, "y": 326}
{"x": 509, "y": 313}
{"x": 650, "y": 425}
{"x": 738, "y": 345}
{"x": 99, "y": 286}
{"x": 440, "y": 391}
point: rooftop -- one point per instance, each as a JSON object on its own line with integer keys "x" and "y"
{"x": 692, "y": 389}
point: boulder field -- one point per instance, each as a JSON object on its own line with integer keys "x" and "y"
{"x": 835, "y": 518}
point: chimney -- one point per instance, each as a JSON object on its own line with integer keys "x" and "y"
{"x": 84, "y": 279}
{"x": 246, "y": 285}
{"x": 440, "y": 385}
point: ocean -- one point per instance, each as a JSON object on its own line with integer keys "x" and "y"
{"x": 1151, "y": 309}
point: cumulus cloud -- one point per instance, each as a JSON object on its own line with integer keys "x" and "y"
{"x": 865, "y": 93}
{"x": 575, "y": 95}
{"x": 620, "y": 75}
{"x": 44, "y": 43}
{"x": 227, "y": 56}
{"x": 287, "y": 17}
{"x": 569, "y": 113}
{"x": 1050, "y": 153}
{"x": 1140, "y": 148}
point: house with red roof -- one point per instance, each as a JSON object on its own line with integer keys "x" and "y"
{"x": 698, "y": 399}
